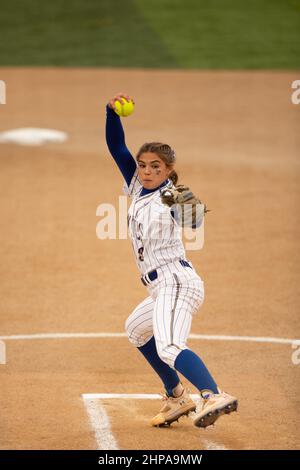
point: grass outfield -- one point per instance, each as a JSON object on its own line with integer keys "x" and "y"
{"x": 210, "y": 34}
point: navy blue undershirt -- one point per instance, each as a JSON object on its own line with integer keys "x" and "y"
{"x": 115, "y": 139}
{"x": 147, "y": 191}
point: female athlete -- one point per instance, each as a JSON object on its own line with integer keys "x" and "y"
{"x": 160, "y": 325}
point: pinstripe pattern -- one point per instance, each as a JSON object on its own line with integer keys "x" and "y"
{"x": 155, "y": 235}
{"x": 167, "y": 313}
{"x": 139, "y": 324}
{"x": 174, "y": 308}
{"x": 177, "y": 293}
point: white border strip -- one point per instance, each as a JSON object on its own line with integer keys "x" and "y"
{"x": 101, "y": 425}
{"x": 64, "y": 336}
{"x": 211, "y": 445}
{"x": 255, "y": 339}
{"x": 100, "y": 421}
{"x": 126, "y": 396}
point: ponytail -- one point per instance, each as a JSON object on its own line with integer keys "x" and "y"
{"x": 173, "y": 177}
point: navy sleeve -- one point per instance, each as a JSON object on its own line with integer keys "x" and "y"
{"x": 115, "y": 140}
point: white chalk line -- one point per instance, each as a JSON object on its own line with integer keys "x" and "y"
{"x": 63, "y": 336}
{"x": 100, "y": 422}
{"x": 125, "y": 396}
{"x": 211, "y": 445}
{"x": 96, "y": 412}
{"x": 255, "y": 339}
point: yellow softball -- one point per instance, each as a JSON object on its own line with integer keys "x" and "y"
{"x": 124, "y": 108}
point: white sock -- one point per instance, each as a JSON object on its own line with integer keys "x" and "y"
{"x": 206, "y": 393}
{"x": 178, "y": 390}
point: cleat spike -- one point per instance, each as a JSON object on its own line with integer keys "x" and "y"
{"x": 214, "y": 407}
{"x": 173, "y": 409}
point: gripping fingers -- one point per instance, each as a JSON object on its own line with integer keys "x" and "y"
{"x": 119, "y": 97}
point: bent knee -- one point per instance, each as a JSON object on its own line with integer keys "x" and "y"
{"x": 136, "y": 334}
{"x": 168, "y": 353}
{"x": 129, "y": 329}
{"x": 127, "y": 326}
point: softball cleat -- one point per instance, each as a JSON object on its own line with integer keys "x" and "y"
{"x": 173, "y": 409}
{"x": 212, "y": 407}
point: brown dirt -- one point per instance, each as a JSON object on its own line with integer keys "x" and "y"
{"x": 237, "y": 140}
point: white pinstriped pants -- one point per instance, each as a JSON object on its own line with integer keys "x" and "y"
{"x": 175, "y": 297}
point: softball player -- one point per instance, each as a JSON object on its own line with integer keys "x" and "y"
{"x": 160, "y": 325}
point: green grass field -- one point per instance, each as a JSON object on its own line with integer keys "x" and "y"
{"x": 210, "y": 34}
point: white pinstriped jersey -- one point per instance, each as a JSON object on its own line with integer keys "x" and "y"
{"x": 155, "y": 235}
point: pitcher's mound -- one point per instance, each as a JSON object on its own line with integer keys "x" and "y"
{"x": 32, "y": 136}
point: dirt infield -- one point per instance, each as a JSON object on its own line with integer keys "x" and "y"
{"x": 237, "y": 140}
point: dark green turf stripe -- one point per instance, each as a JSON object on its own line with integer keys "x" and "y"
{"x": 229, "y": 34}
{"x": 79, "y": 33}
{"x": 210, "y": 34}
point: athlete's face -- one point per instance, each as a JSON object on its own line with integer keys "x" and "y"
{"x": 152, "y": 170}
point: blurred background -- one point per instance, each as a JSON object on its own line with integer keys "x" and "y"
{"x": 193, "y": 34}
{"x": 214, "y": 80}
